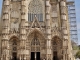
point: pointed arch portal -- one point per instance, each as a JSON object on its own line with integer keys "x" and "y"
{"x": 37, "y": 43}
{"x": 35, "y": 48}
{"x": 13, "y": 43}
{"x": 56, "y": 47}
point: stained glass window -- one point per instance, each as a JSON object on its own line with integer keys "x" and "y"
{"x": 35, "y": 9}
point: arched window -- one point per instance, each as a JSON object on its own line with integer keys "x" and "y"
{"x": 14, "y": 43}
{"x": 54, "y": 43}
{"x": 35, "y": 41}
{"x": 35, "y": 45}
{"x": 35, "y": 9}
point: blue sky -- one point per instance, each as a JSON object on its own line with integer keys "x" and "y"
{"x": 77, "y": 6}
{"x": 0, "y": 5}
{"x": 77, "y": 3}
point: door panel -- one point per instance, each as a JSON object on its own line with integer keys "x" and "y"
{"x": 38, "y": 55}
{"x": 55, "y": 57}
{"x": 32, "y": 55}
{"x": 14, "y": 56}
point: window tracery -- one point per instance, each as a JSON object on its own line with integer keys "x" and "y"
{"x": 35, "y": 42}
{"x": 35, "y": 9}
{"x": 35, "y": 45}
{"x": 14, "y": 44}
{"x": 56, "y": 43}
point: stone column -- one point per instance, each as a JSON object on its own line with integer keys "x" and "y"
{"x": 48, "y": 31}
{"x": 64, "y": 26}
{"x": 5, "y": 30}
{"x": 23, "y": 30}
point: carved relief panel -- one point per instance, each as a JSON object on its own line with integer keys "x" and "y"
{"x": 15, "y": 15}
{"x": 54, "y": 16}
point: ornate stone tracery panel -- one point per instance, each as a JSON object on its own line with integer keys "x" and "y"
{"x": 35, "y": 9}
{"x": 35, "y": 44}
{"x": 56, "y": 43}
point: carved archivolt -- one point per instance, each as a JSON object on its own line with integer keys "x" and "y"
{"x": 13, "y": 44}
{"x": 56, "y": 43}
{"x": 37, "y": 41}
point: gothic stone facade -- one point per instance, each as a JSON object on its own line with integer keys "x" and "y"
{"x": 35, "y": 30}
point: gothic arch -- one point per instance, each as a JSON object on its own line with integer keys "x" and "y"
{"x": 13, "y": 47}
{"x": 13, "y": 36}
{"x": 56, "y": 36}
{"x": 56, "y": 47}
{"x": 57, "y": 40}
{"x": 37, "y": 42}
{"x": 56, "y": 32}
{"x": 38, "y": 31}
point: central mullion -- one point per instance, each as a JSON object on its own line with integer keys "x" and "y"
{"x": 35, "y": 56}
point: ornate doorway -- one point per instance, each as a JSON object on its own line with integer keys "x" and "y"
{"x": 13, "y": 48}
{"x": 35, "y": 48}
{"x": 37, "y": 45}
{"x": 57, "y": 47}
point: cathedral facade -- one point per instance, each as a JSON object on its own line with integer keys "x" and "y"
{"x": 35, "y": 30}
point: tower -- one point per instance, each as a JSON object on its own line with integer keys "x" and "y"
{"x": 35, "y": 30}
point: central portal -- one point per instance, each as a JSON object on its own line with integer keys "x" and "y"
{"x": 35, "y": 55}
{"x": 35, "y": 48}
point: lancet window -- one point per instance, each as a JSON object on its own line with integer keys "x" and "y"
{"x": 35, "y": 45}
